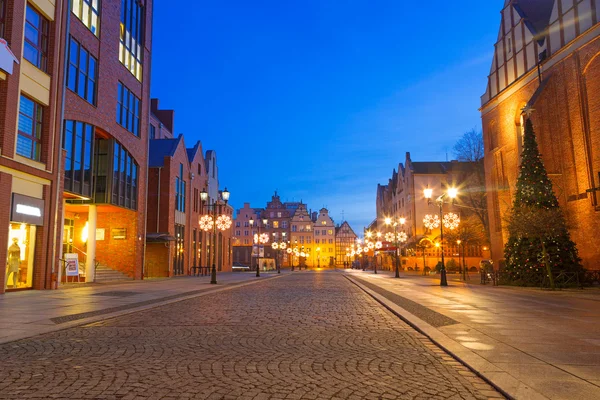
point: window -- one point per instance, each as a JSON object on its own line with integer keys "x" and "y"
{"x": 82, "y": 72}
{"x": 330, "y": 232}
{"x": 124, "y": 178}
{"x": 180, "y": 191}
{"x": 29, "y": 141}
{"x": 308, "y": 228}
{"x": 284, "y": 224}
{"x": 279, "y": 214}
{"x": 238, "y": 233}
{"x": 323, "y": 232}
{"x": 330, "y": 241}
{"x": 317, "y": 232}
{"x": 128, "y": 110}
{"x": 130, "y": 48}
{"x": 294, "y": 228}
{"x": 2, "y": 17}
{"x": 308, "y": 240}
{"x": 276, "y": 224}
{"x": 317, "y": 241}
{"x": 77, "y": 142}
{"x": 323, "y": 222}
{"x": 237, "y": 224}
{"x": 152, "y": 132}
{"x": 246, "y": 233}
{"x": 87, "y": 11}
{"x": 246, "y": 224}
{"x": 35, "y": 48}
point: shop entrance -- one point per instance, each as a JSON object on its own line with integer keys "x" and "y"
{"x": 20, "y": 256}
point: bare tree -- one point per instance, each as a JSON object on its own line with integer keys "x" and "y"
{"x": 470, "y": 146}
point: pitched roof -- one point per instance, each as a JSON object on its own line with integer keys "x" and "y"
{"x": 536, "y": 15}
{"x": 161, "y": 148}
{"x": 191, "y": 152}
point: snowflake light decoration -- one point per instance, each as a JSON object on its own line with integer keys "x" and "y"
{"x": 275, "y": 245}
{"x": 431, "y": 221}
{"x": 402, "y": 237}
{"x": 353, "y": 253}
{"x": 282, "y": 245}
{"x": 389, "y": 237}
{"x": 359, "y": 250}
{"x": 256, "y": 238}
{"x": 264, "y": 238}
{"x": 206, "y": 223}
{"x": 451, "y": 221}
{"x": 378, "y": 245}
{"x": 370, "y": 245}
{"x": 289, "y": 250}
{"x": 223, "y": 222}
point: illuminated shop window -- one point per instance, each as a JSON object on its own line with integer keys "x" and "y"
{"x": 20, "y": 256}
{"x": 87, "y": 11}
{"x": 130, "y": 46}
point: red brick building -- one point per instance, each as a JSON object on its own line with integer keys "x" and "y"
{"x": 177, "y": 175}
{"x": 31, "y": 83}
{"x": 548, "y": 57}
{"x": 105, "y": 133}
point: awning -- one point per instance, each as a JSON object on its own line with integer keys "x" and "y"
{"x": 159, "y": 237}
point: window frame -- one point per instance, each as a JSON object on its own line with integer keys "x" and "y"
{"x": 2, "y": 17}
{"x": 91, "y": 12}
{"x": 42, "y": 37}
{"x": 131, "y": 36}
{"x": 37, "y": 119}
{"x": 76, "y": 66}
{"x": 131, "y": 118}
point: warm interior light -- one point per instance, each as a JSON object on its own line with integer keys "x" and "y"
{"x": 84, "y": 233}
{"x": 458, "y": 241}
{"x": 402, "y": 221}
{"x": 452, "y": 193}
{"x": 428, "y": 193}
{"x": 437, "y": 245}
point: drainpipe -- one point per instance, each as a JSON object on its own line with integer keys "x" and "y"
{"x": 158, "y": 202}
{"x": 57, "y": 216}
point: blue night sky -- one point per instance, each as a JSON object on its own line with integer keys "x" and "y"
{"x": 321, "y": 99}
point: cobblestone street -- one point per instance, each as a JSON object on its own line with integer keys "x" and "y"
{"x": 306, "y": 335}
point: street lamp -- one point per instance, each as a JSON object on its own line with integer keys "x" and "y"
{"x": 259, "y": 239}
{"x": 452, "y": 193}
{"x": 396, "y": 237}
{"x": 208, "y": 222}
{"x": 278, "y": 246}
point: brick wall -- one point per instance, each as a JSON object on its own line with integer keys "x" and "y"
{"x": 567, "y": 125}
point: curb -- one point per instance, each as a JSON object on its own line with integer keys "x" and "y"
{"x": 84, "y": 321}
{"x": 505, "y": 383}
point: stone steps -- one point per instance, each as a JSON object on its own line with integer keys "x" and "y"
{"x": 105, "y": 274}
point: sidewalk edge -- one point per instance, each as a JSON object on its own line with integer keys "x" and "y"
{"x": 505, "y": 383}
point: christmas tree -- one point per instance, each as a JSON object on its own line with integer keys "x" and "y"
{"x": 539, "y": 241}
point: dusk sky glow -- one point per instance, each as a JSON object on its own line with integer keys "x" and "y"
{"x": 321, "y": 99}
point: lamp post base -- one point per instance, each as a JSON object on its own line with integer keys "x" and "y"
{"x": 443, "y": 279}
{"x": 258, "y": 271}
{"x": 397, "y": 273}
{"x": 213, "y": 275}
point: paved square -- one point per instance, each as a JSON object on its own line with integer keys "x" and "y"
{"x": 303, "y": 336}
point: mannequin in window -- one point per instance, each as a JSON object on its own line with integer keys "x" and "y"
{"x": 12, "y": 263}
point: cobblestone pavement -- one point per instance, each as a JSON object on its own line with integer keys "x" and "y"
{"x": 304, "y": 336}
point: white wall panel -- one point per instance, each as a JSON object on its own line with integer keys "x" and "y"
{"x": 493, "y": 88}
{"x": 554, "y": 38}
{"x": 585, "y": 15}
{"x": 520, "y": 57}
{"x": 566, "y": 5}
{"x": 510, "y": 69}
{"x": 531, "y": 56}
{"x": 501, "y": 78}
{"x": 519, "y": 42}
{"x": 569, "y": 26}
{"x": 554, "y": 15}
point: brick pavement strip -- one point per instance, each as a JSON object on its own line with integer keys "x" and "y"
{"x": 305, "y": 336}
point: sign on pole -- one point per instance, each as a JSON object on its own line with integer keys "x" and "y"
{"x": 71, "y": 264}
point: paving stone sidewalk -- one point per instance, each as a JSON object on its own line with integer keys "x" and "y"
{"x": 304, "y": 336}
{"x": 529, "y": 342}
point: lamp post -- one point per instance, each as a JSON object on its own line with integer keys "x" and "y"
{"x": 208, "y": 222}
{"x": 397, "y": 237}
{"x": 278, "y": 246}
{"x": 452, "y": 193}
{"x": 258, "y": 239}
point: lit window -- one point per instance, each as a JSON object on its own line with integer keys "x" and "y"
{"x": 130, "y": 47}
{"x": 87, "y": 11}
{"x": 275, "y": 224}
{"x": 29, "y": 141}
